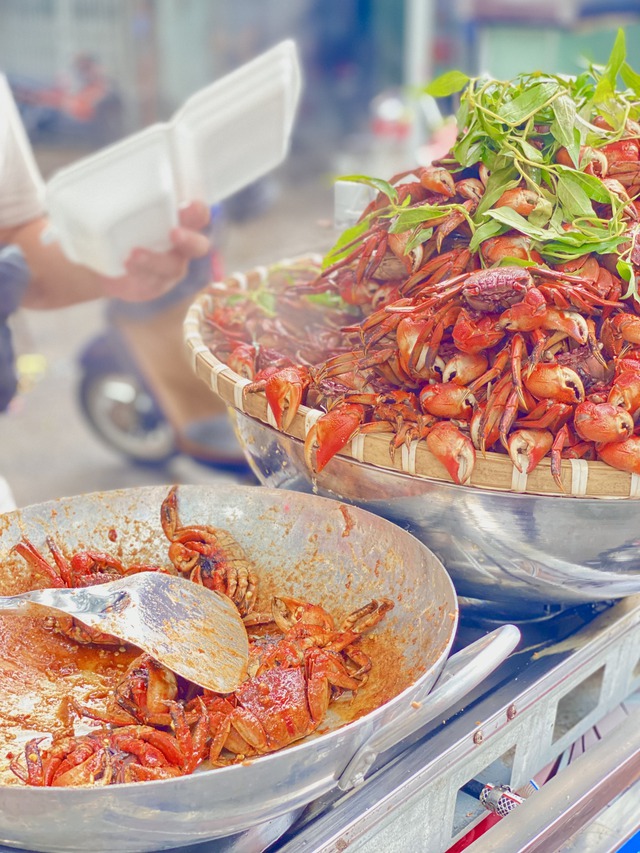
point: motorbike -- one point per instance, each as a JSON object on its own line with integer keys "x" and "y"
{"x": 118, "y": 403}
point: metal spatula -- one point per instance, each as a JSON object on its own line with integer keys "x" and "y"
{"x": 193, "y": 631}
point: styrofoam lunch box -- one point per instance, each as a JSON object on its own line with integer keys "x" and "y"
{"x": 224, "y": 137}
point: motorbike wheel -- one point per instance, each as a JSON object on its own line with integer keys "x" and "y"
{"x": 125, "y": 416}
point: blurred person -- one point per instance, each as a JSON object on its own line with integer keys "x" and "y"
{"x": 340, "y": 54}
{"x": 85, "y": 109}
{"x": 35, "y": 273}
{"x": 152, "y": 335}
{"x": 93, "y": 86}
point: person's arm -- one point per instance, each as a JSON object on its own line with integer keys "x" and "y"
{"x": 57, "y": 282}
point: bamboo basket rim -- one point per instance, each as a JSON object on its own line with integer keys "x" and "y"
{"x": 492, "y": 471}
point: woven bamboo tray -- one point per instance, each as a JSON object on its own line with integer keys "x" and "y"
{"x": 492, "y": 471}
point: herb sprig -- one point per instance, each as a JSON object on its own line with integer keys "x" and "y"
{"x": 515, "y": 129}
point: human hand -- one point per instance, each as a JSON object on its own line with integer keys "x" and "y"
{"x": 150, "y": 274}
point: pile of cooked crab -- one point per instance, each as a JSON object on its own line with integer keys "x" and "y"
{"x": 154, "y": 725}
{"x": 488, "y": 300}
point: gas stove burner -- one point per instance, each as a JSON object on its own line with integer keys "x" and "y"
{"x": 494, "y": 613}
{"x": 542, "y": 624}
{"x": 497, "y": 612}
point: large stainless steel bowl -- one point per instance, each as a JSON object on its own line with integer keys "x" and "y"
{"x": 497, "y": 546}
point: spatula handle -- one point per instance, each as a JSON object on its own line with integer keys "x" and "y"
{"x": 16, "y": 603}
{"x": 88, "y": 603}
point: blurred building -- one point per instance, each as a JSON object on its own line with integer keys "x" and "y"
{"x": 504, "y": 38}
{"x": 157, "y": 52}
{"x": 359, "y": 56}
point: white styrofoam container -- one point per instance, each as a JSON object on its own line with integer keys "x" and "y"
{"x": 223, "y": 138}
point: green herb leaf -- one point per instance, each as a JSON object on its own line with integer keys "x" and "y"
{"x": 529, "y": 151}
{"x": 267, "y": 301}
{"x": 345, "y": 242}
{"x": 523, "y": 106}
{"x": 573, "y": 198}
{"x": 413, "y": 216}
{"x": 627, "y": 273}
{"x": 497, "y": 186}
{"x": 563, "y": 127}
{"x": 542, "y": 212}
{"x": 616, "y": 59}
{"x": 509, "y": 217}
{"x": 470, "y": 147}
{"x": 378, "y": 184}
{"x": 490, "y": 228}
{"x": 421, "y": 236}
{"x": 630, "y": 78}
{"x": 447, "y": 84}
{"x": 592, "y": 186}
{"x": 574, "y": 245}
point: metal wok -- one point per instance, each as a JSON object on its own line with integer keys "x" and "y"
{"x": 520, "y": 550}
{"x": 309, "y": 547}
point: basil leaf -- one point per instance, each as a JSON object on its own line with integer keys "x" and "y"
{"x": 604, "y": 99}
{"x": 563, "y": 127}
{"x": 447, "y": 84}
{"x": 421, "y": 236}
{"x": 573, "y": 244}
{"x": 378, "y": 184}
{"x": 509, "y": 217}
{"x": 542, "y": 212}
{"x": 496, "y": 186}
{"x": 488, "y": 229}
{"x": 616, "y": 59}
{"x": 627, "y": 273}
{"x": 327, "y": 299}
{"x": 630, "y": 78}
{"x": 574, "y": 200}
{"x": 592, "y": 186}
{"x": 413, "y": 216}
{"x": 530, "y": 151}
{"x": 462, "y": 116}
{"x": 344, "y": 244}
{"x": 469, "y": 148}
{"x": 514, "y": 112}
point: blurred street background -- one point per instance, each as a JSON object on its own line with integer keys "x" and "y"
{"x": 360, "y": 113}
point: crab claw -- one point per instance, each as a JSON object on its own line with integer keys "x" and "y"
{"x": 35, "y": 559}
{"x": 527, "y": 447}
{"x": 330, "y": 433}
{"x": 555, "y": 382}
{"x": 625, "y": 391}
{"x": 242, "y": 360}
{"x": 602, "y": 422}
{"x": 288, "y": 612}
{"x": 571, "y": 322}
{"x": 447, "y": 400}
{"x": 520, "y": 199}
{"x": 527, "y": 315}
{"x": 284, "y": 390}
{"x": 474, "y": 334}
{"x": 439, "y": 180}
{"x": 463, "y": 368}
{"x": 623, "y": 455}
{"x": 453, "y": 449}
{"x": 620, "y": 329}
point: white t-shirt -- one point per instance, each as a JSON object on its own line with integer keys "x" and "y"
{"x": 21, "y": 184}
{"x": 21, "y": 194}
